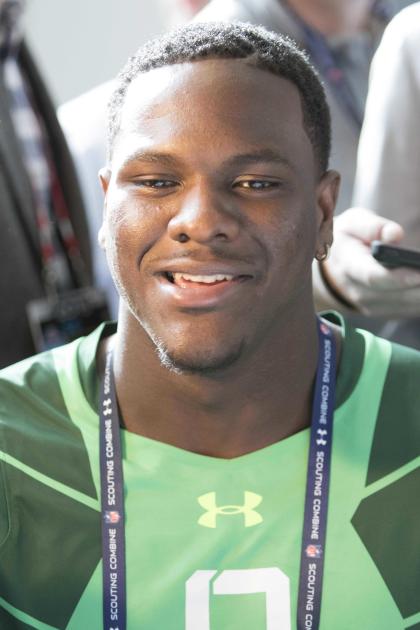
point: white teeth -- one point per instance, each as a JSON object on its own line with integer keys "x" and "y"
{"x": 204, "y": 279}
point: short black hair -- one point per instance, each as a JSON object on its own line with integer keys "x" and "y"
{"x": 232, "y": 40}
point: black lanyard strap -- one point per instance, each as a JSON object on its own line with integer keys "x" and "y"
{"x": 112, "y": 506}
{"x": 317, "y": 486}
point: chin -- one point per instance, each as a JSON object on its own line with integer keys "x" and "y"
{"x": 201, "y": 361}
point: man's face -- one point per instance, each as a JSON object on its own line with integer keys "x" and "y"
{"x": 213, "y": 210}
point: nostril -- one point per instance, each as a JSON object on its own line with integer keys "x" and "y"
{"x": 183, "y": 238}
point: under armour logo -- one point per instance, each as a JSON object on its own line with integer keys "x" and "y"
{"x": 106, "y": 404}
{"x": 251, "y": 517}
{"x": 320, "y": 441}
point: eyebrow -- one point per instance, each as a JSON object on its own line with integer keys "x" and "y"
{"x": 261, "y": 155}
{"x": 151, "y": 157}
{"x": 167, "y": 159}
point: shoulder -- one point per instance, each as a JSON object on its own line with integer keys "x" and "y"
{"x": 401, "y": 38}
{"x": 401, "y": 363}
{"x": 401, "y": 391}
{"x": 27, "y": 386}
{"x": 386, "y": 519}
{"x": 33, "y": 413}
{"x": 405, "y": 26}
{"x": 48, "y": 496}
{"x": 39, "y": 436}
{"x": 38, "y": 396}
{"x": 396, "y": 439}
{"x": 388, "y": 369}
{"x": 403, "y": 372}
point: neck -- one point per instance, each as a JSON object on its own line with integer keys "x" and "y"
{"x": 334, "y": 17}
{"x": 266, "y": 398}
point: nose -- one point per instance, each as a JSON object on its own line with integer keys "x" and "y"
{"x": 204, "y": 217}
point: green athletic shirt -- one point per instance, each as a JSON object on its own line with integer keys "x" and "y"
{"x": 212, "y": 544}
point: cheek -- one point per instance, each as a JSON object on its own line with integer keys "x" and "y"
{"x": 294, "y": 236}
{"x": 291, "y": 247}
{"x": 132, "y": 228}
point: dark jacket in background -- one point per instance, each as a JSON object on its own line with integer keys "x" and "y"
{"x": 20, "y": 254}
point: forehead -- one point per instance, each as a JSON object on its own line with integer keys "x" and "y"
{"x": 229, "y": 101}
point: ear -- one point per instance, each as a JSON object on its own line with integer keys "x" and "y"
{"x": 326, "y": 195}
{"x": 104, "y": 178}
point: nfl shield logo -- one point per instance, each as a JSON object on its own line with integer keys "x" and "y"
{"x": 325, "y": 329}
{"x": 112, "y": 517}
{"x": 313, "y": 551}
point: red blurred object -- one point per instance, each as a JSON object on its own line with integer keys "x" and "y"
{"x": 193, "y": 6}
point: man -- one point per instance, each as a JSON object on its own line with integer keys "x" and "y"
{"x": 43, "y": 232}
{"x": 348, "y": 32}
{"x": 387, "y": 178}
{"x": 217, "y": 198}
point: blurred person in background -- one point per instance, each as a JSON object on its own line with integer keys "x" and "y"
{"x": 388, "y": 167}
{"x": 83, "y": 121}
{"x": 44, "y": 241}
{"x": 180, "y": 11}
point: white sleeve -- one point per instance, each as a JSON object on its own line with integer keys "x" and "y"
{"x": 224, "y": 11}
{"x": 388, "y": 167}
{"x": 83, "y": 121}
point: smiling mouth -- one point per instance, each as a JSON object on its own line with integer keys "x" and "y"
{"x": 188, "y": 280}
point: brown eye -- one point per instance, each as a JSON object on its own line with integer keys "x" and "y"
{"x": 256, "y": 184}
{"x": 155, "y": 183}
{"x": 259, "y": 185}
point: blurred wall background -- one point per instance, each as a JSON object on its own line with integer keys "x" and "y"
{"x": 81, "y": 43}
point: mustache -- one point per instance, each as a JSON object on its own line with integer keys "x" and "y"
{"x": 214, "y": 254}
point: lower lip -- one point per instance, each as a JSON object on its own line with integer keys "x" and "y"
{"x": 201, "y": 295}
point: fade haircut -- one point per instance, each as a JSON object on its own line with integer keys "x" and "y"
{"x": 236, "y": 40}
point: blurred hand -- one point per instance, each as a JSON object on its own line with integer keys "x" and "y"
{"x": 353, "y": 273}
